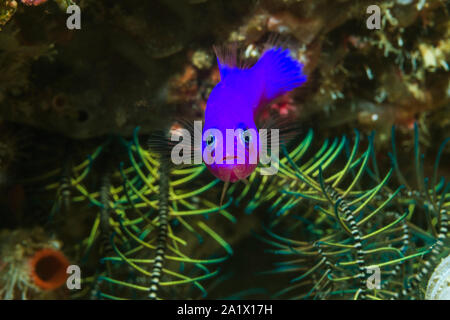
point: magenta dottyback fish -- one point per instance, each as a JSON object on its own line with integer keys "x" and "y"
{"x": 235, "y": 101}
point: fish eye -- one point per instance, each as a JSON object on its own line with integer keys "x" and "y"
{"x": 246, "y": 137}
{"x": 210, "y": 140}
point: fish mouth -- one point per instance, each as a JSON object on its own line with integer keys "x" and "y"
{"x": 229, "y": 158}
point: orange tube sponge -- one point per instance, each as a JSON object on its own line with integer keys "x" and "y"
{"x": 48, "y": 268}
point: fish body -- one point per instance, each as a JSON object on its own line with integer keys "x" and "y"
{"x": 233, "y": 105}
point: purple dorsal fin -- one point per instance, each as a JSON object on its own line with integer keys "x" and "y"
{"x": 228, "y": 60}
{"x": 280, "y": 72}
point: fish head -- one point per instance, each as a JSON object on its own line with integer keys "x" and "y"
{"x": 230, "y": 147}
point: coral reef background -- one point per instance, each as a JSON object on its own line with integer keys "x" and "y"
{"x": 74, "y": 170}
